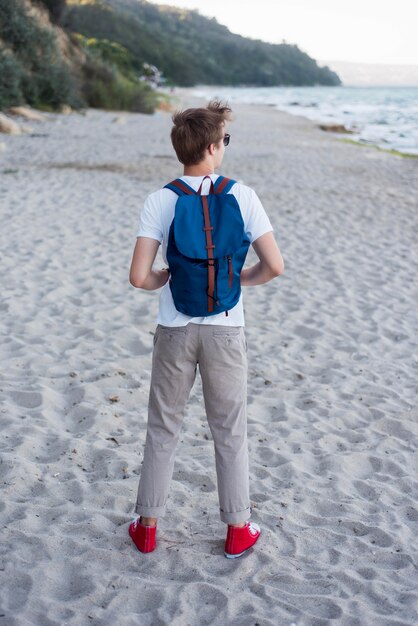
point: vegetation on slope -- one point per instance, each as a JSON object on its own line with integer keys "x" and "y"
{"x": 190, "y": 48}
{"x": 92, "y": 53}
{"x": 43, "y": 66}
{"x": 33, "y": 68}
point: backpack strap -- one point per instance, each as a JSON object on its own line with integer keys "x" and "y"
{"x": 211, "y": 190}
{"x": 208, "y": 228}
{"x": 180, "y": 187}
{"x": 223, "y": 184}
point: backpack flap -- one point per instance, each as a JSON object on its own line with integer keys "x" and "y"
{"x": 225, "y": 218}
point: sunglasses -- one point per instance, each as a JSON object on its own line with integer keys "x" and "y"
{"x": 226, "y": 139}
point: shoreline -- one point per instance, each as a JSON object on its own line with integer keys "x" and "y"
{"x": 332, "y": 417}
{"x": 334, "y": 111}
{"x": 191, "y": 93}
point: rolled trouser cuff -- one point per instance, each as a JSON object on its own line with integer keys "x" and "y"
{"x": 237, "y": 517}
{"x": 149, "y": 511}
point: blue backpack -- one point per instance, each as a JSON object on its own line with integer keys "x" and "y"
{"x": 206, "y": 249}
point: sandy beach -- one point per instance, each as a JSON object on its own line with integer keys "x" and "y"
{"x": 333, "y": 386}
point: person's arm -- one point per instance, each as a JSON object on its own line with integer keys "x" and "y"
{"x": 270, "y": 264}
{"x": 141, "y": 273}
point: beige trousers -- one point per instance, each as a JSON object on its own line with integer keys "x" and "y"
{"x": 220, "y": 352}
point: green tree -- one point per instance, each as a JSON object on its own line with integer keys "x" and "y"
{"x": 190, "y": 48}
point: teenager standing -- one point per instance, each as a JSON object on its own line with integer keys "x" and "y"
{"x": 215, "y": 342}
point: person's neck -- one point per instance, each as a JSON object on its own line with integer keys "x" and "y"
{"x": 201, "y": 169}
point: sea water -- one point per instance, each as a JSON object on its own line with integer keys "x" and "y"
{"x": 382, "y": 116}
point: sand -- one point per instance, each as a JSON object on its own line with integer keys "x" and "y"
{"x": 333, "y": 382}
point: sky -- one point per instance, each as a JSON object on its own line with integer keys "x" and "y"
{"x": 359, "y": 31}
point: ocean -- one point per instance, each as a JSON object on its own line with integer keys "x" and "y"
{"x": 382, "y": 116}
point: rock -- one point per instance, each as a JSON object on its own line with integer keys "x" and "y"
{"x": 65, "y": 109}
{"x": 8, "y": 126}
{"x": 335, "y": 128}
{"x": 29, "y": 114}
{"x": 119, "y": 120}
{"x": 3, "y": 147}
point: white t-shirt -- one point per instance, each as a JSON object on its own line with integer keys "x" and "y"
{"x": 155, "y": 221}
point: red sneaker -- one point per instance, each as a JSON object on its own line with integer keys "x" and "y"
{"x": 239, "y": 540}
{"x": 143, "y": 536}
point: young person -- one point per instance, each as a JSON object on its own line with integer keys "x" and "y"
{"x": 216, "y": 343}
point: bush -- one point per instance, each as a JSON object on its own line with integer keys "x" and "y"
{"x": 36, "y": 72}
{"x": 105, "y": 87}
{"x": 56, "y": 86}
{"x": 11, "y": 75}
{"x": 33, "y": 70}
{"x": 110, "y": 53}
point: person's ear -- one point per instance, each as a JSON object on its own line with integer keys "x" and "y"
{"x": 211, "y": 148}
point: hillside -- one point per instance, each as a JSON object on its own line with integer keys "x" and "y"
{"x": 93, "y": 52}
{"x": 35, "y": 59}
{"x": 44, "y": 66}
{"x": 190, "y": 48}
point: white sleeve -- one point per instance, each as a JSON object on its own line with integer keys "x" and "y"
{"x": 150, "y": 223}
{"x": 256, "y": 221}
